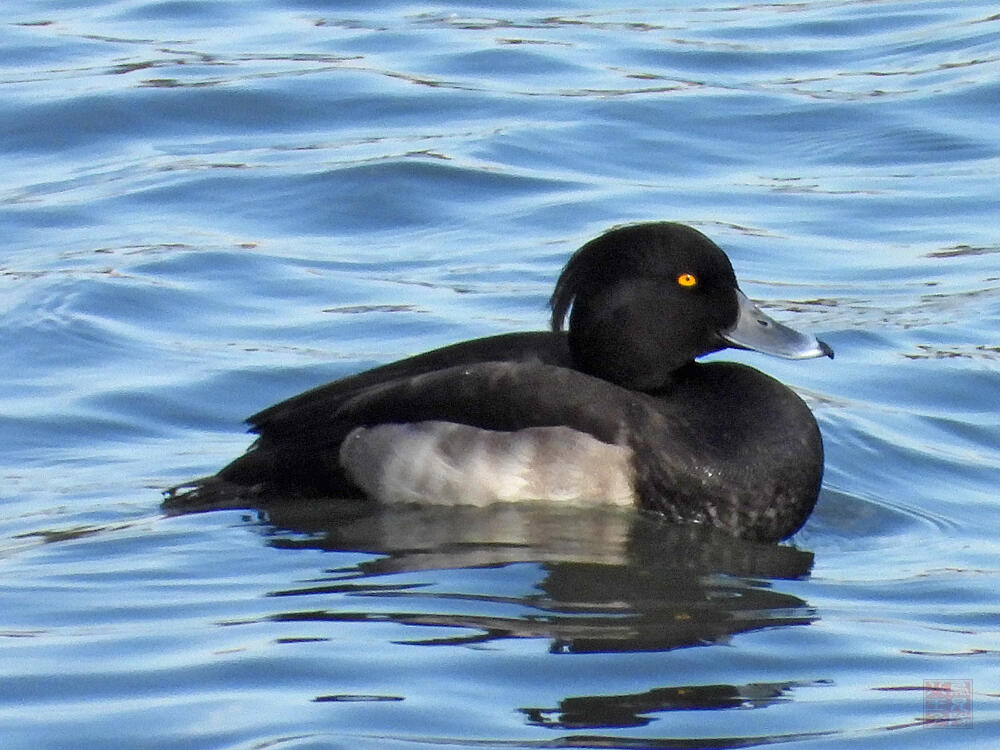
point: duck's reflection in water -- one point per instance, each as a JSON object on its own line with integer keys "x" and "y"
{"x": 596, "y": 580}
{"x": 633, "y": 710}
{"x": 608, "y": 580}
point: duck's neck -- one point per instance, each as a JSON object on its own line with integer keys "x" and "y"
{"x": 626, "y": 364}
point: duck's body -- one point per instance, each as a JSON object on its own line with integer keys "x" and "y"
{"x": 614, "y": 411}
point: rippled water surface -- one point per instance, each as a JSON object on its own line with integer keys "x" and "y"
{"x": 209, "y": 206}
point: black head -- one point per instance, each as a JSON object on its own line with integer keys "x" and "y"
{"x": 646, "y": 299}
{"x": 649, "y": 298}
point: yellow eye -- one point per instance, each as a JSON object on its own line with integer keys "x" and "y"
{"x": 687, "y": 279}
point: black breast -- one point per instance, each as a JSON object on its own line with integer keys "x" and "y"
{"x": 736, "y": 449}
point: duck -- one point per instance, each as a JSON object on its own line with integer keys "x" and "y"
{"x": 615, "y": 409}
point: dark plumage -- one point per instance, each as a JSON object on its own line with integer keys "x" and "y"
{"x": 714, "y": 443}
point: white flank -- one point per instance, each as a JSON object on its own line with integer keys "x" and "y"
{"x": 455, "y": 464}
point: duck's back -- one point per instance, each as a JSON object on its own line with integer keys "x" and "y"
{"x": 292, "y": 418}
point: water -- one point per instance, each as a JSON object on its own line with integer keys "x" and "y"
{"x": 207, "y": 207}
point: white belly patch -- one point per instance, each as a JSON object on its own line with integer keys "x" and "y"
{"x": 455, "y": 464}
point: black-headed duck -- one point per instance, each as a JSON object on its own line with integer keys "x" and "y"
{"x": 616, "y": 410}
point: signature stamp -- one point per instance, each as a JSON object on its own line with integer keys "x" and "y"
{"x": 948, "y": 702}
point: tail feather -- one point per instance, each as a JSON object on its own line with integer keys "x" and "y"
{"x": 261, "y": 476}
{"x": 209, "y": 493}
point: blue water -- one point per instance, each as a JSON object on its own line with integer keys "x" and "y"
{"x": 209, "y": 206}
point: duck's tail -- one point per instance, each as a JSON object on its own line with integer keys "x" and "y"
{"x": 262, "y": 477}
{"x": 208, "y": 493}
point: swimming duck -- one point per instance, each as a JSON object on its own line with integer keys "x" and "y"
{"x": 615, "y": 410}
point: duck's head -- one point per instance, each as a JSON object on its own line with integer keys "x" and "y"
{"x": 649, "y": 298}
